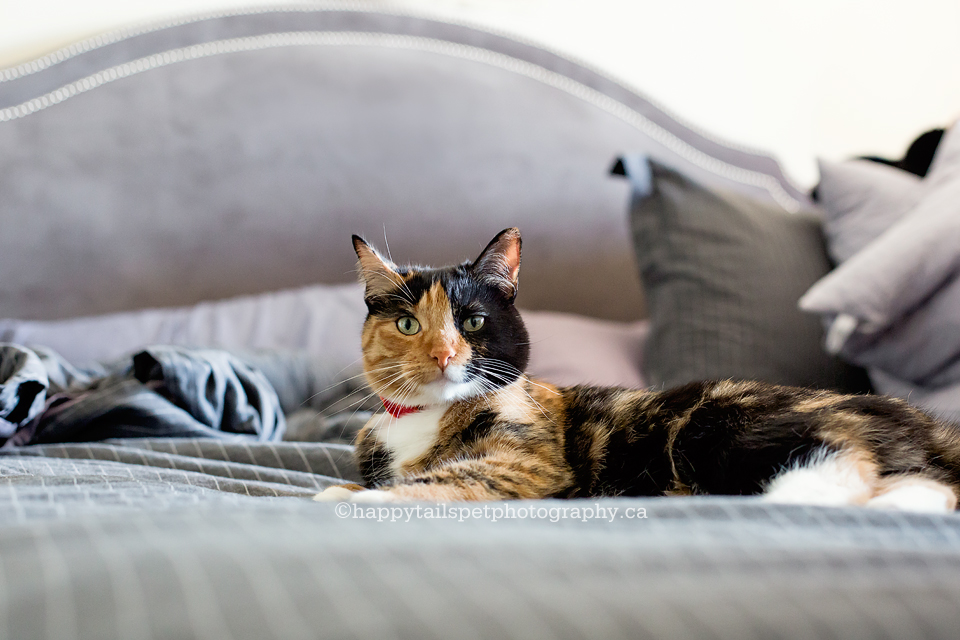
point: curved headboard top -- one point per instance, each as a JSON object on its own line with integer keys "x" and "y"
{"x": 236, "y": 153}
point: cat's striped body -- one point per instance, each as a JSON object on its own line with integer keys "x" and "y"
{"x": 484, "y": 431}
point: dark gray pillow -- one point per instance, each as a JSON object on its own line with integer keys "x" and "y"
{"x": 722, "y": 274}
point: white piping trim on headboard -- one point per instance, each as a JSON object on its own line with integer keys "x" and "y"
{"x": 320, "y": 38}
{"x": 125, "y": 33}
{"x": 361, "y": 6}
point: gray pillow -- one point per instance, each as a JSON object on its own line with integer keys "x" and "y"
{"x": 887, "y": 302}
{"x": 922, "y": 348}
{"x": 722, "y": 273}
{"x": 861, "y": 199}
{"x": 569, "y": 349}
{"x": 898, "y": 272}
{"x": 321, "y": 319}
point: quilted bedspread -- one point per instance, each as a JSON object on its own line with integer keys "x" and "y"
{"x": 191, "y": 538}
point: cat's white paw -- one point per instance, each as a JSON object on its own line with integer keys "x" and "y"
{"x": 806, "y": 487}
{"x": 827, "y": 480}
{"x": 921, "y": 498}
{"x": 369, "y": 496}
{"x": 334, "y": 494}
{"x": 374, "y": 496}
{"x": 822, "y": 496}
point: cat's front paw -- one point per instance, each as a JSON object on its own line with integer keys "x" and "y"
{"x": 343, "y": 494}
{"x": 919, "y": 496}
{"x": 375, "y": 496}
{"x": 336, "y": 493}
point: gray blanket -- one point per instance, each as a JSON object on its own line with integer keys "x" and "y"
{"x": 191, "y": 538}
{"x": 161, "y": 392}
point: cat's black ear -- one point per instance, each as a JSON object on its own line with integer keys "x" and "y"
{"x": 499, "y": 264}
{"x": 376, "y": 272}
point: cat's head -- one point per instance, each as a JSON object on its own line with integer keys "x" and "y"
{"x": 440, "y": 335}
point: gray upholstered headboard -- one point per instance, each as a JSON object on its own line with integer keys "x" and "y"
{"x": 236, "y": 153}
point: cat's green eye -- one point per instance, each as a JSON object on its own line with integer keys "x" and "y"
{"x": 408, "y": 325}
{"x": 473, "y": 323}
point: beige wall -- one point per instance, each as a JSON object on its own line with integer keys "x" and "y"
{"x": 802, "y": 79}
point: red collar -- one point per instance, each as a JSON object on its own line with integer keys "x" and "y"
{"x": 397, "y": 410}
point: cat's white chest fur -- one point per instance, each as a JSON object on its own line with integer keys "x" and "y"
{"x": 409, "y": 437}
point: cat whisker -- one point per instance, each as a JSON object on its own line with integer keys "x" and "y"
{"x": 360, "y": 375}
{"x": 376, "y": 393}
{"x": 544, "y": 387}
{"x": 539, "y": 406}
{"x": 513, "y": 370}
{"x": 386, "y": 382}
{"x": 373, "y": 392}
{"x": 386, "y": 243}
{"x": 345, "y": 381}
{"x": 396, "y": 280}
{"x": 359, "y": 402}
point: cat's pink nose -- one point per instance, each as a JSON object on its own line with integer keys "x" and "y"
{"x": 443, "y": 356}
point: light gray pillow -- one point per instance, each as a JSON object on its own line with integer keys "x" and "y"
{"x": 861, "y": 200}
{"x": 569, "y": 349}
{"x": 894, "y": 306}
{"x": 896, "y": 273}
{"x": 722, "y": 273}
{"x": 899, "y": 270}
{"x": 321, "y": 319}
{"x": 922, "y": 348}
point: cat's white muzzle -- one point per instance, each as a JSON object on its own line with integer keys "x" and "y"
{"x": 450, "y": 386}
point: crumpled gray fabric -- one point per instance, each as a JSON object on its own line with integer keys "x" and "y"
{"x": 161, "y": 391}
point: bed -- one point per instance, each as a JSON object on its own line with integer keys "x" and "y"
{"x": 192, "y": 186}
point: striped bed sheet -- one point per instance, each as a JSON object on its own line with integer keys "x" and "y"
{"x": 193, "y": 538}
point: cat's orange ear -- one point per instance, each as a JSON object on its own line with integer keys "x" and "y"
{"x": 499, "y": 264}
{"x": 376, "y": 272}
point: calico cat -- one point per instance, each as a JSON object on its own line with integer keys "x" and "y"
{"x": 446, "y": 350}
